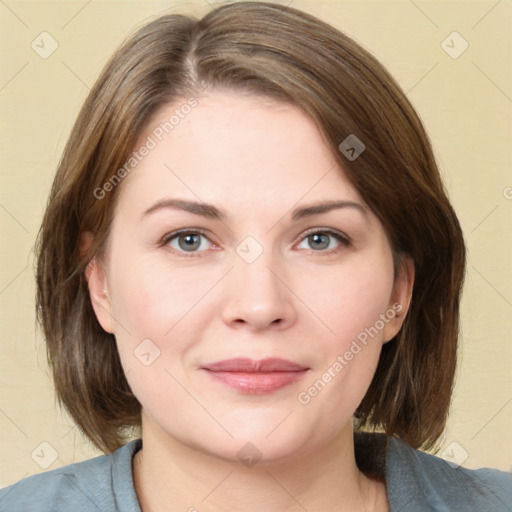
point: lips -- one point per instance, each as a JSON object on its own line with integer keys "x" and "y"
{"x": 255, "y": 376}
{"x": 242, "y": 364}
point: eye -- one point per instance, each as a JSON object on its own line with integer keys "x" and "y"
{"x": 187, "y": 241}
{"x": 320, "y": 240}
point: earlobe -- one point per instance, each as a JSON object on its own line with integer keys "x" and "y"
{"x": 400, "y": 298}
{"x": 98, "y": 292}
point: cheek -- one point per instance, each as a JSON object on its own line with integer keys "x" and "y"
{"x": 349, "y": 302}
{"x": 349, "y": 298}
{"x": 164, "y": 312}
{"x": 151, "y": 297}
{"x": 151, "y": 303}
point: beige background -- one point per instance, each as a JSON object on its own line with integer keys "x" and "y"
{"x": 466, "y": 104}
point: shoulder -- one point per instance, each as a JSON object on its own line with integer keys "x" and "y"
{"x": 92, "y": 485}
{"x": 419, "y": 481}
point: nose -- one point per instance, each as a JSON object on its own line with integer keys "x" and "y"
{"x": 257, "y": 297}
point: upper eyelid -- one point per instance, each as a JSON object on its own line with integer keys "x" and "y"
{"x": 326, "y": 230}
{"x": 173, "y": 234}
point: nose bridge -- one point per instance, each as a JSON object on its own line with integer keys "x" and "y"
{"x": 256, "y": 295}
{"x": 259, "y": 277}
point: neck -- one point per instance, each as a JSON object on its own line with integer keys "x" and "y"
{"x": 171, "y": 476}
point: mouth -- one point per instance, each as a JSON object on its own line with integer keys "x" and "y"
{"x": 255, "y": 377}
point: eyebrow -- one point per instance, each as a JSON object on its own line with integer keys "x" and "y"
{"x": 212, "y": 212}
{"x": 324, "y": 207}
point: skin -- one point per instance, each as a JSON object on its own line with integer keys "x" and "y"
{"x": 257, "y": 160}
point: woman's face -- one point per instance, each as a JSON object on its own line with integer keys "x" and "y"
{"x": 257, "y": 271}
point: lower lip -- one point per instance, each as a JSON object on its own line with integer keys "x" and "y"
{"x": 257, "y": 383}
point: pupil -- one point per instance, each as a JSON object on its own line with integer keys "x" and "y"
{"x": 190, "y": 242}
{"x": 318, "y": 238}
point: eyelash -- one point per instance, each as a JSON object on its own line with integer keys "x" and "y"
{"x": 342, "y": 239}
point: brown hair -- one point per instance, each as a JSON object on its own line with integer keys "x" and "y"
{"x": 274, "y": 51}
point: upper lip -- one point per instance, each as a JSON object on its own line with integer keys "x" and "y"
{"x": 242, "y": 364}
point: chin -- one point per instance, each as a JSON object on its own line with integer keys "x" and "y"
{"x": 259, "y": 444}
{"x": 260, "y": 453}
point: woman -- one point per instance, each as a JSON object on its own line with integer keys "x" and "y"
{"x": 248, "y": 252}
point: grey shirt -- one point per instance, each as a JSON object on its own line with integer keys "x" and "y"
{"x": 415, "y": 481}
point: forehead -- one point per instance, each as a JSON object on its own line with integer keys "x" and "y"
{"x": 239, "y": 149}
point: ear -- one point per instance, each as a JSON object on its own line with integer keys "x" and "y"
{"x": 95, "y": 276}
{"x": 400, "y": 298}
